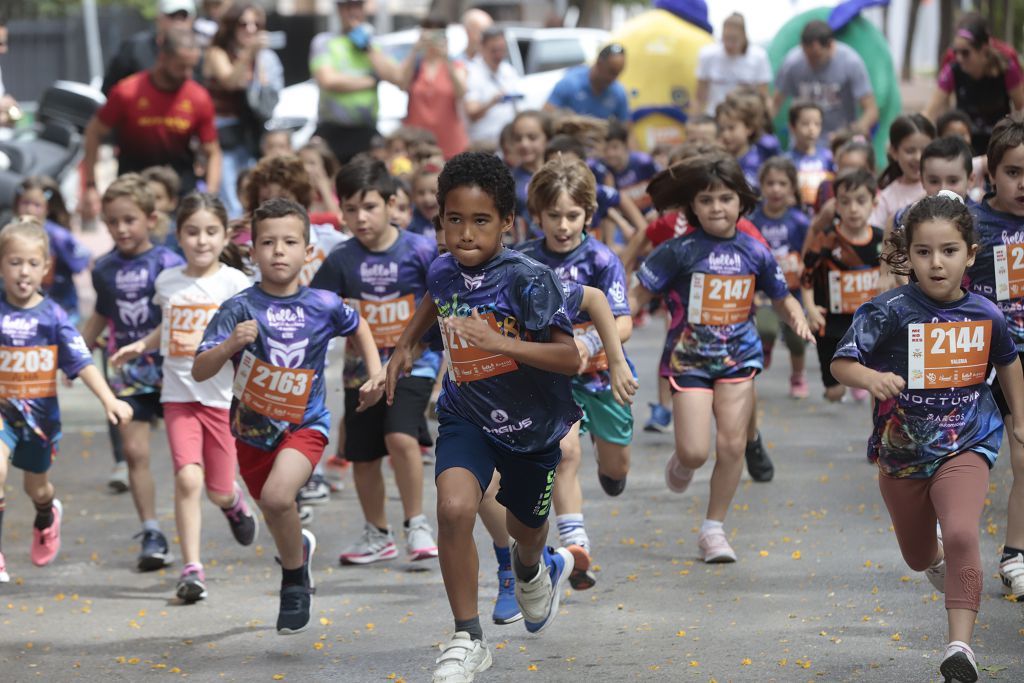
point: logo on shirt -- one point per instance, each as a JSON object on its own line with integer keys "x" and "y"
{"x": 78, "y": 345}
{"x": 473, "y": 282}
{"x": 133, "y": 313}
{"x": 570, "y": 273}
{"x": 286, "y": 320}
{"x": 131, "y": 281}
{"x": 525, "y": 423}
{"x": 724, "y": 262}
{"x": 1013, "y": 237}
{"x": 18, "y": 328}
{"x": 617, "y": 292}
{"x": 499, "y": 416}
{"x": 285, "y": 355}
{"x": 380, "y": 275}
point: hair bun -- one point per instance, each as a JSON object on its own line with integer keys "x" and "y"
{"x": 949, "y": 194}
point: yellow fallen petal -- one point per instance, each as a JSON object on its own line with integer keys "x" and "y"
{"x": 318, "y": 645}
{"x": 532, "y": 667}
{"x": 795, "y": 555}
{"x": 278, "y": 677}
{"x": 746, "y": 661}
{"x": 694, "y": 662}
{"x": 895, "y": 637}
{"x": 324, "y": 621}
{"x": 763, "y": 553}
{"x": 681, "y": 634}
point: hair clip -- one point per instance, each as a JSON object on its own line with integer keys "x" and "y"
{"x": 949, "y": 194}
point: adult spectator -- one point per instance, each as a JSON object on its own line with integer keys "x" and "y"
{"x": 830, "y": 74}
{"x": 244, "y": 79}
{"x": 347, "y": 68}
{"x": 987, "y": 82}
{"x": 723, "y": 67}
{"x": 139, "y": 52}
{"x": 436, "y": 85}
{"x": 208, "y": 21}
{"x": 475, "y": 21}
{"x": 156, "y": 114}
{"x": 8, "y": 105}
{"x": 492, "y": 89}
{"x": 594, "y": 90}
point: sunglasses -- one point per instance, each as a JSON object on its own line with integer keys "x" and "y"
{"x": 251, "y": 25}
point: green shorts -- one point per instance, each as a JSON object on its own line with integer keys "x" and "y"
{"x": 768, "y": 324}
{"x": 604, "y": 417}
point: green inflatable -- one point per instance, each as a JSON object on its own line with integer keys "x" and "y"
{"x": 870, "y": 44}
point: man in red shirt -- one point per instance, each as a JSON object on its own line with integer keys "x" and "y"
{"x": 155, "y": 115}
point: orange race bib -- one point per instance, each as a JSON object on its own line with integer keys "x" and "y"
{"x": 312, "y": 264}
{"x": 277, "y": 393}
{"x": 789, "y": 263}
{"x": 1009, "y": 263}
{"x": 386, "y": 319}
{"x": 720, "y": 299}
{"x": 809, "y": 182}
{"x": 183, "y": 328}
{"x": 599, "y": 361}
{"x": 467, "y": 363}
{"x": 28, "y": 372}
{"x": 944, "y": 355}
{"x": 848, "y": 289}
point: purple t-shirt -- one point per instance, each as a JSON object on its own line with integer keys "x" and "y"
{"x": 994, "y": 229}
{"x": 68, "y": 257}
{"x": 785, "y": 236}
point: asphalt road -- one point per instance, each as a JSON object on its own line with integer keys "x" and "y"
{"x": 820, "y": 592}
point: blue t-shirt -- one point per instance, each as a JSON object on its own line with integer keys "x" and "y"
{"x": 574, "y": 92}
{"x": 420, "y": 224}
{"x": 916, "y": 432}
{"x": 712, "y": 330}
{"x": 522, "y": 408}
{"x": 67, "y": 257}
{"x": 811, "y": 171}
{"x": 293, "y": 334}
{"x": 125, "y": 286}
{"x": 785, "y": 236}
{"x": 632, "y": 181}
{"x": 595, "y": 265}
{"x": 751, "y": 162}
{"x": 385, "y": 286}
{"x": 522, "y": 179}
{"x": 994, "y": 229}
{"x": 36, "y": 343}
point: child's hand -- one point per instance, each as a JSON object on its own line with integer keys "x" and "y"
{"x": 245, "y": 333}
{"x": 584, "y": 355}
{"x": 802, "y": 327}
{"x": 624, "y": 385}
{"x": 127, "y": 353}
{"x": 118, "y": 412}
{"x": 886, "y": 385}
{"x": 399, "y": 364}
{"x": 372, "y": 390}
{"x": 477, "y": 333}
{"x": 816, "y": 319}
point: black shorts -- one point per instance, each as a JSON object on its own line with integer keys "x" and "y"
{"x": 997, "y": 393}
{"x": 826, "y": 349}
{"x": 145, "y": 407}
{"x": 365, "y": 431}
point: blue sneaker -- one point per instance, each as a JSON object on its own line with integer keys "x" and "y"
{"x": 660, "y": 420}
{"x": 506, "y": 609}
{"x": 538, "y": 598}
{"x": 155, "y": 554}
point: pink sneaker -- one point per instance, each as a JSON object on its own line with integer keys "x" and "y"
{"x": 715, "y": 548}
{"x": 4, "y": 576}
{"x": 677, "y": 477}
{"x": 798, "y": 387}
{"x": 860, "y": 395}
{"x": 46, "y": 542}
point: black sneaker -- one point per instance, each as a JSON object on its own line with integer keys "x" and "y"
{"x": 612, "y": 487}
{"x": 244, "y": 525}
{"x": 155, "y": 554}
{"x": 293, "y": 614}
{"x": 315, "y": 491}
{"x": 192, "y": 585}
{"x": 758, "y": 463}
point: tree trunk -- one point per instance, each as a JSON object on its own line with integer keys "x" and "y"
{"x": 908, "y": 47}
{"x": 946, "y": 21}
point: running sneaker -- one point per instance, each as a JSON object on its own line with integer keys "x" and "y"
{"x": 335, "y": 470}
{"x": 5, "y": 577}
{"x": 958, "y": 663}
{"x": 306, "y": 515}
{"x": 293, "y": 614}
{"x": 860, "y": 395}
{"x": 538, "y": 598}
{"x": 506, "y": 609}
{"x": 660, "y": 419}
{"x": 612, "y": 487}
{"x": 427, "y": 455}
{"x": 118, "y": 481}
{"x": 798, "y": 388}
{"x": 155, "y": 553}
{"x": 245, "y": 526}
{"x": 936, "y": 574}
{"x": 759, "y": 465}
{"x": 462, "y": 658}
{"x": 192, "y": 584}
{"x": 1011, "y": 571}
{"x": 714, "y": 547}
{"x": 419, "y": 539}
{"x": 677, "y": 477}
{"x": 46, "y": 542}
{"x": 315, "y": 491}
{"x": 582, "y": 576}
{"x": 373, "y": 546}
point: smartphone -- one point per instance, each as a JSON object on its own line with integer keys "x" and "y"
{"x": 277, "y": 40}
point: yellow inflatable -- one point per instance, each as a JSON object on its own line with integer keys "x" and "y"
{"x": 661, "y": 74}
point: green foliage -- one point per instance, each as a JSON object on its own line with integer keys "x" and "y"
{"x": 55, "y": 9}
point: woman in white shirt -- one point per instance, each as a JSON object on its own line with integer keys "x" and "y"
{"x": 722, "y": 67}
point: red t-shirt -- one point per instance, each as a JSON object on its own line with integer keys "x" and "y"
{"x": 155, "y": 127}
{"x": 673, "y": 224}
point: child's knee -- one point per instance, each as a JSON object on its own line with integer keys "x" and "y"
{"x": 614, "y": 463}
{"x": 456, "y": 513}
{"x": 960, "y": 540}
{"x": 275, "y": 501}
{"x": 220, "y": 499}
{"x": 38, "y": 489}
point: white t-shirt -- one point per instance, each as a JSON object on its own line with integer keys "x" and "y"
{"x": 724, "y": 73}
{"x": 188, "y": 303}
{"x": 482, "y": 85}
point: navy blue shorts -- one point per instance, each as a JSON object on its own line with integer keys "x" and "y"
{"x": 526, "y": 480}
{"x": 145, "y": 407}
{"x": 26, "y": 450}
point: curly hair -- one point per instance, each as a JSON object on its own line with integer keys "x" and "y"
{"x": 285, "y": 170}
{"x": 945, "y": 206}
{"x": 679, "y": 185}
{"x": 482, "y": 170}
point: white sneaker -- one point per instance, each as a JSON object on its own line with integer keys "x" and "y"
{"x": 958, "y": 663}
{"x": 461, "y": 659}
{"x": 419, "y": 539}
{"x": 118, "y": 481}
{"x": 4, "y": 576}
{"x": 936, "y": 573}
{"x": 539, "y": 597}
{"x": 1011, "y": 571}
{"x": 373, "y": 546}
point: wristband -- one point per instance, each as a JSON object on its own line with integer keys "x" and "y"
{"x": 592, "y": 340}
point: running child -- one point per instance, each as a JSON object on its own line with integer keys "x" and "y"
{"x": 506, "y": 404}
{"x": 813, "y": 160}
{"x": 712, "y": 352}
{"x": 383, "y": 273}
{"x": 196, "y": 413}
{"x": 37, "y": 336}
{"x": 275, "y": 335}
{"x": 900, "y": 182}
{"x": 400, "y": 213}
{"x": 124, "y": 283}
{"x": 424, "y": 200}
{"x": 955, "y": 123}
{"x": 562, "y": 198}
{"x": 630, "y": 170}
{"x": 947, "y": 164}
{"x": 740, "y": 119}
{"x": 841, "y": 272}
{"x": 936, "y": 432}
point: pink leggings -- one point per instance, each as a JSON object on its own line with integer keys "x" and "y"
{"x": 955, "y": 494}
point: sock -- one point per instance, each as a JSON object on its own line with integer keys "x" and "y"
{"x": 384, "y": 531}
{"x": 571, "y": 530}
{"x": 3, "y": 506}
{"x": 151, "y": 525}
{"x": 524, "y": 573}
{"x": 234, "y": 501}
{"x": 710, "y": 525}
{"x": 1008, "y": 551}
{"x": 413, "y": 519}
{"x": 293, "y": 577}
{"x": 503, "y": 556}
{"x": 471, "y": 626}
{"x": 44, "y": 514}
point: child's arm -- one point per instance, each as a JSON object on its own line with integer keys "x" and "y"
{"x": 821, "y": 220}
{"x": 117, "y": 410}
{"x": 208, "y": 363}
{"x": 1011, "y": 379}
{"x": 594, "y": 303}
{"x": 792, "y": 314}
{"x": 151, "y": 342}
{"x": 882, "y": 385}
{"x": 631, "y": 212}
{"x": 92, "y": 329}
{"x": 636, "y": 245}
{"x": 371, "y": 391}
{"x": 815, "y": 313}
{"x": 559, "y": 355}
{"x": 401, "y": 358}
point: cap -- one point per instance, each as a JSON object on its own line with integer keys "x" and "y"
{"x": 172, "y": 6}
